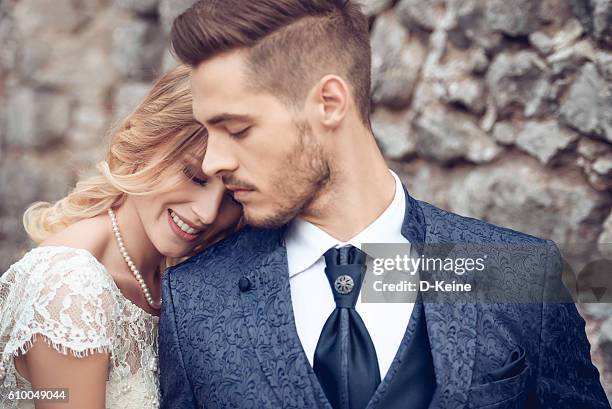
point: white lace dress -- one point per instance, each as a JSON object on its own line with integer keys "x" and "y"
{"x": 65, "y": 297}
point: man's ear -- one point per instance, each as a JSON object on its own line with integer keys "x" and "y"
{"x": 330, "y": 99}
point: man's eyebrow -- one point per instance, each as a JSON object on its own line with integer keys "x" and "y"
{"x": 217, "y": 119}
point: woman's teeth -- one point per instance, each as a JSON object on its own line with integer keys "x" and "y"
{"x": 183, "y": 226}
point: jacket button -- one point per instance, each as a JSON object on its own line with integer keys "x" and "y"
{"x": 244, "y": 284}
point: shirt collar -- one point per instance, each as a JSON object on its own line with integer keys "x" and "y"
{"x": 306, "y": 242}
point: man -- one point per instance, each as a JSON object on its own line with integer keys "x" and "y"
{"x": 273, "y": 316}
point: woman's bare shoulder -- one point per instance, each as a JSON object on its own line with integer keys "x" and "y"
{"x": 90, "y": 234}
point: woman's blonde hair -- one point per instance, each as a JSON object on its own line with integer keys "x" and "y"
{"x": 146, "y": 145}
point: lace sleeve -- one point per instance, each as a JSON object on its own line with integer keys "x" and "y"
{"x": 62, "y": 295}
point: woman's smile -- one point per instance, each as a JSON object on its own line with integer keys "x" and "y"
{"x": 182, "y": 228}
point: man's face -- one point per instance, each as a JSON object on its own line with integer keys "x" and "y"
{"x": 269, "y": 159}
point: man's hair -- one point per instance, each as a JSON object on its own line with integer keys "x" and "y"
{"x": 290, "y": 44}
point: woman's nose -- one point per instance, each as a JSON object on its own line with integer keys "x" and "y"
{"x": 206, "y": 207}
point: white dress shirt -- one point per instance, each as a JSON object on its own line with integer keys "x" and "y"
{"x": 311, "y": 293}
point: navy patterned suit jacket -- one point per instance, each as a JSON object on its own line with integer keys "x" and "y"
{"x": 228, "y": 337}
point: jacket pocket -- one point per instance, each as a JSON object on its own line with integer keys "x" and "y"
{"x": 501, "y": 394}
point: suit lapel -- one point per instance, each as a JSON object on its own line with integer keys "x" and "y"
{"x": 452, "y": 336}
{"x": 268, "y": 314}
{"x": 451, "y": 327}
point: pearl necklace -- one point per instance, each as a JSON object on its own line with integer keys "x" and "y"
{"x": 130, "y": 263}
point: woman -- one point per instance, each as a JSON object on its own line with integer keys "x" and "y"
{"x": 80, "y": 311}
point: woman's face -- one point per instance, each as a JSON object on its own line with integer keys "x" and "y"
{"x": 190, "y": 209}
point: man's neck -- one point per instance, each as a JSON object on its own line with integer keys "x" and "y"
{"x": 361, "y": 188}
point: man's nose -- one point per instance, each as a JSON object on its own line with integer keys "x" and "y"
{"x": 219, "y": 157}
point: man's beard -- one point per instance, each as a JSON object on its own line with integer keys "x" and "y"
{"x": 298, "y": 182}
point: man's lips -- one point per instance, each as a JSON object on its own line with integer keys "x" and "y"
{"x": 239, "y": 192}
{"x": 236, "y": 188}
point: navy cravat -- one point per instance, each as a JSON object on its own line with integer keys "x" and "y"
{"x": 345, "y": 360}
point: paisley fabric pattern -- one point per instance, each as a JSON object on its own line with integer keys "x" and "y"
{"x": 228, "y": 337}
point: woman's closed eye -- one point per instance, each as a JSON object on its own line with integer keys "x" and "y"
{"x": 192, "y": 175}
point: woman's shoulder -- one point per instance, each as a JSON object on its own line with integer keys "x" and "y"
{"x": 55, "y": 261}
{"x": 68, "y": 261}
{"x": 77, "y": 246}
{"x": 55, "y": 272}
{"x": 60, "y": 291}
{"x": 58, "y": 272}
{"x": 91, "y": 234}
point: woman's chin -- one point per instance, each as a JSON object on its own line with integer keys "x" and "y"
{"x": 177, "y": 253}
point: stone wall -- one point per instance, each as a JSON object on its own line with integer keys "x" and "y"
{"x": 496, "y": 109}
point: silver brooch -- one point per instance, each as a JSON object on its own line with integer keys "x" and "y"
{"x": 344, "y": 284}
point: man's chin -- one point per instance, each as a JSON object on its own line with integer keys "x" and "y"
{"x": 266, "y": 220}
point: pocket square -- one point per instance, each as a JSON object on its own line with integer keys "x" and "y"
{"x": 514, "y": 365}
